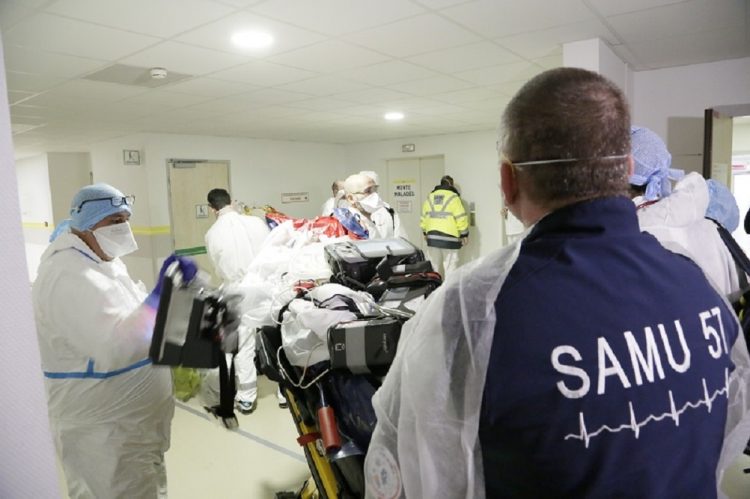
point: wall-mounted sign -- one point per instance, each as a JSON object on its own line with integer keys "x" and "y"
{"x": 295, "y": 197}
{"x": 403, "y": 206}
{"x": 201, "y": 211}
{"x": 404, "y": 189}
{"x": 131, "y": 157}
{"x": 408, "y": 148}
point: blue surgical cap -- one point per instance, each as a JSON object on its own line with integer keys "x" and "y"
{"x": 722, "y": 206}
{"x": 84, "y": 215}
{"x": 652, "y": 164}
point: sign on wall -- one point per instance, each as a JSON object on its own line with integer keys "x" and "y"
{"x": 404, "y": 188}
{"x": 295, "y": 197}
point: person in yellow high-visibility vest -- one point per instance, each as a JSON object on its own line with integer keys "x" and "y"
{"x": 445, "y": 226}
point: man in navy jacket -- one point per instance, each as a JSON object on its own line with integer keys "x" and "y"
{"x": 584, "y": 360}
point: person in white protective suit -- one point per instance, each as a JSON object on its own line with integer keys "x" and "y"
{"x": 379, "y": 219}
{"x": 386, "y": 219}
{"x": 582, "y": 360}
{"x": 337, "y": 194}
{"x": 232, "y": 242}
{"x": 110, "y": 409}
{"x": 677, "y": 217}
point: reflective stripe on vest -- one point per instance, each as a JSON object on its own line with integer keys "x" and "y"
{"x": 433, "y": 213}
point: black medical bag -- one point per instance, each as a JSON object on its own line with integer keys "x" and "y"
{"x": 192, "y": 325}
{"x": 365, "y": 346}
{"x": 354, "y": 263}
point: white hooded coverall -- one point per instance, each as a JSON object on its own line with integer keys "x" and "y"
{"x": 110, "y": 408}
{"x": 232, "y": 242}
{"x": 678, "y": 222}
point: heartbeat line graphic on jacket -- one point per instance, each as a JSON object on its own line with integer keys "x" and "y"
{"x": 673, "y": 414}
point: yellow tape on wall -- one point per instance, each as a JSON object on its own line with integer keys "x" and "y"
{"x": 137, "y": 229}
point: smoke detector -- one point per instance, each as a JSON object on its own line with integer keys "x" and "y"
{"x": 158, "y": 73}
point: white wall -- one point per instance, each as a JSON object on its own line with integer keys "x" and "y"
{"x": 741, "y": 139}
{"x": 471, "y": 158}
{"x": 595, "y": 55}
{"x": 672, "y": 101}
{"x": 36, "y": 208}
{"x": 260, "y": 170}
{"x": 27, "y": 463}
{"x": 33, "y": 189}
{"x": 68, "y": 172}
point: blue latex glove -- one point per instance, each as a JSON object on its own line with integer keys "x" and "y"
{"x": 188, "y": 269}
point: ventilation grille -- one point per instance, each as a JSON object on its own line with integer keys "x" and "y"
{"x": 132, "y": 75}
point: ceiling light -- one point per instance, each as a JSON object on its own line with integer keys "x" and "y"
{"x": 394, "y": 116}
{"x": 252, "y": 39}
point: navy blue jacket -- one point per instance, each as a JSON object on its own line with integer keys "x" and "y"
{"x": 604, "y": 343}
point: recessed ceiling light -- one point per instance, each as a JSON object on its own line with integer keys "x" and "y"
{"x": 252, "y": 39}
{"x": 394, "y": 116}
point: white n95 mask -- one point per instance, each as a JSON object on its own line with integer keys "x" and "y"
{"x": 116, "y": 240}
{"x": 371, "y": 202}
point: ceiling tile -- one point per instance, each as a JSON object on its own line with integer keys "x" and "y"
{"x": 387, "y": 73}
{"x": 414, "y": 104}
{"x": 183, "y": 58}
{"x": 373, "y": 95}
{"x": 497, "y": 18}
{"x": 210, "y": 87}
{"x": 329, "y": 56}
{"x": 28, "y": 82}
{"x": 268, "y": 96}
{"x": 323, "y": 85}
{"x": 322, "y": 104}
{"x": 11, "y": 12}
{"x": 613, "y": 7}
{"x": 684, "y": 18}
{"x": 463, "y": 96}
{"x": 692, "y": 49}
{"x": 267, "y": 112}
{"x": 162, "y": 18}
{"x": 625, "y": 54}
{"x": 96, "y": 90}
{"x": 413, "y": 36}
{"x": 316, "y": 116}
{"x": 505, "y": 90}
{"x": 550, "y": 62}
{"x": 264, "y": 74}
{"x": 165, "y": 99}
{"x": 500, "y": 74}
{"x": 470, "y": 56}
{"x": 217, "y": 35}
{"x": 430, "y": 86}
{"x": 29, "y": 60}
{"x": 16, "y": 96}
{"x": 547, "y": 42}
{"x": 27, "y": 120}
{"x": 364, "y": 110}
{"x": 336, "y": 17}
{"x": 67, "y": 36}
{"x": 440, "y": 4}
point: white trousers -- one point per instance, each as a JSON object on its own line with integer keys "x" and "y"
{"x": 245, "y": 375}
{"x": 443, "y": 260}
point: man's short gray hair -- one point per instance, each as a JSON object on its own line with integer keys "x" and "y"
{"x": 568, "y": 113}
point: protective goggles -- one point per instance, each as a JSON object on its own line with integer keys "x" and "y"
{"x": 115, "y": 200}
{"x": 370, "y": 190}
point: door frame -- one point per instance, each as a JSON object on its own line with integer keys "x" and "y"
{"x": 729, "y": 111}
{"x": 169, "y": 163}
